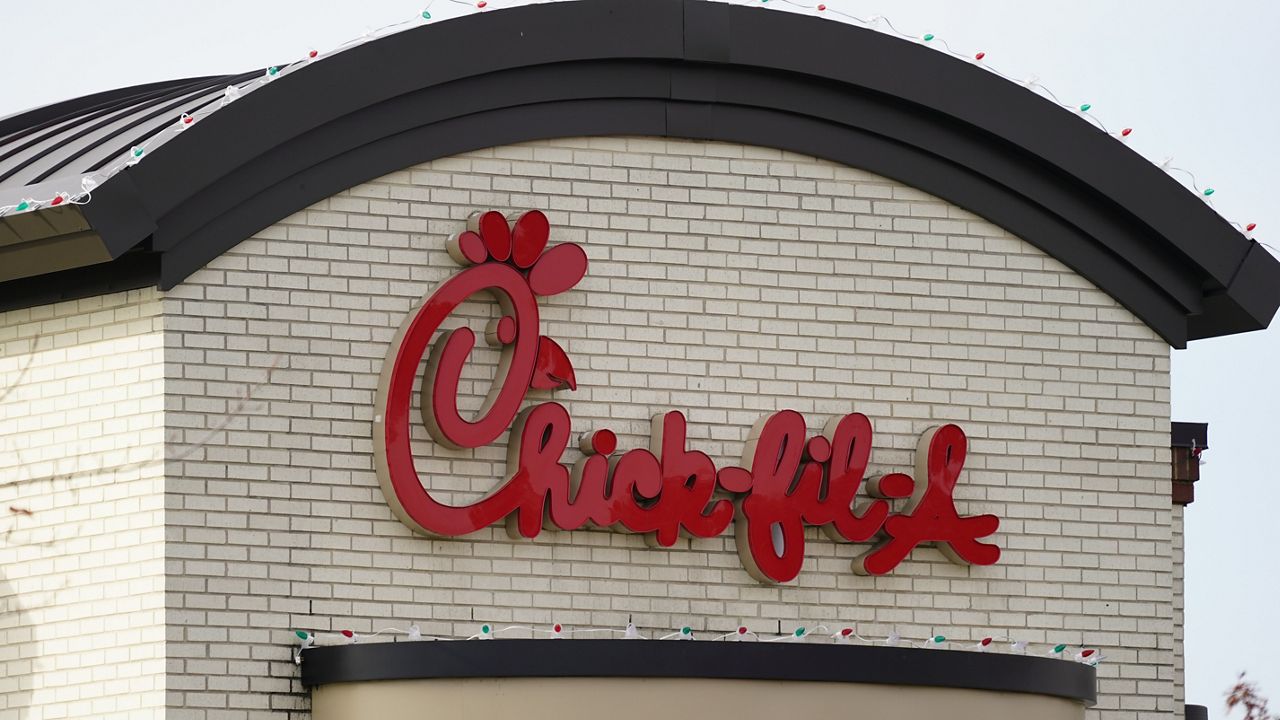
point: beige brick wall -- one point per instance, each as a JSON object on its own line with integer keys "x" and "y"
{"x": 726, "y": 281}
{"x": 82, "y": 509}
{"x": 1179, "y": 608}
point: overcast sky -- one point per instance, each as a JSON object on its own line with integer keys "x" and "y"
{"x": 1197, "y": 81}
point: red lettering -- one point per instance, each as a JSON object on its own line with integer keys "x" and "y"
{"x": 770, "y": 529}
{"x": 667, "y": 491}
{"x": 850, "y": 438}
{"x": 688, "y": 483}
{"x": 538, "y": 440}
{"x": 931, "y": 514}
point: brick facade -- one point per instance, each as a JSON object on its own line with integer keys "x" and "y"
{"x": 82, "y": 498}
{"x": 726, "y": 281}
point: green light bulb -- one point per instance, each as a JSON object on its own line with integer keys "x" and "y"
{"x": 484, "y": 629}
{"x": 928, "y": 37}
{"x": 939, "y": 639}
{"x": 302, "y": 634}
{"x": 1059, "y": 648}
{"x": 426, "y": 15}
{"x": 22, "y": 206}
{"x": 800, "y": 632}
{"x": 1208, "y": 192}
{"x": 1085, "y": 107}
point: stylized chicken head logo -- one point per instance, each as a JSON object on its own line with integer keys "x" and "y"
{"x": 509, "y": 261}
{"x": 490, "y": 239}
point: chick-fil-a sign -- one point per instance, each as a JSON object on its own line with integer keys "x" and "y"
{"x": 787, "y": 480}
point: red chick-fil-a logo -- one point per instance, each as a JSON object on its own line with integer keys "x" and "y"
{"x": 787, "y": 480}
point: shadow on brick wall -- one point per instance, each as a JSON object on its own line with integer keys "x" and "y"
{"x": 17, "y": 654}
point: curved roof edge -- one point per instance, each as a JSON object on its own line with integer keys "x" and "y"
{"x": 674, "y": 68}
{"x": 768, "y": 661}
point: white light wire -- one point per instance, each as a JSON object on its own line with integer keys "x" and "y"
{"x": 878, "y": 23}
{"x": 894, "y": 639}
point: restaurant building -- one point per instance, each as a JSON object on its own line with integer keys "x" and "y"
{"x": 586, "y": 328}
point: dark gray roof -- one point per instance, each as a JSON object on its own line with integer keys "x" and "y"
{"x": 669, "y": 68}
{"x": 49, "y": 149}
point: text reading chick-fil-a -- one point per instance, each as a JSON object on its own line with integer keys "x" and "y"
{"x": 787, "y": 480}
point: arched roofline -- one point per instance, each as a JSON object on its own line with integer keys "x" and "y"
{"x": 683, "y": 69}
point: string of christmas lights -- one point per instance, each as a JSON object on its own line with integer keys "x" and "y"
{"x": 843, "y": 636}
{"x": 878, "y": 23}
{"x": 1032, "y": 83}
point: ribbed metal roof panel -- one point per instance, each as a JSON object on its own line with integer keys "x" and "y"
{"x": 85, "y": 135}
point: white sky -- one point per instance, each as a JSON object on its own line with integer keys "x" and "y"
{"x": 1197, "y": 81}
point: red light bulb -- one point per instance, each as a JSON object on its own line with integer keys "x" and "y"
{"x": 822, "y": 8}
{"x": 312, "y": 54}
{"x": 846, "y": 632}
{"x": 347, "y": 634}
{"x": 1125, "y": 132}
{"x": 1250, "y": 227}
{"x": 742, "y": 630}
{"x": 986, "y": 642}
{"x": 57, "y": 200}
{"x": 557, "y": 627}
{"x": 979, "y": 56}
